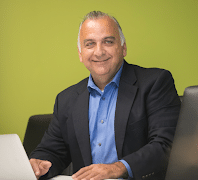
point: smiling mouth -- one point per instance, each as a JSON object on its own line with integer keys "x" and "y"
{"x": 101, "y": 60}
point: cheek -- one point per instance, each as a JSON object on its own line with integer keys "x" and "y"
{"x": 86, "y": 54}
{"x": 120, "y": 53}
{"x": 117, "y": 53}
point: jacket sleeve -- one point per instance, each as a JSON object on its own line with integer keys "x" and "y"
{"x": 53, "y": 148}
{"x": 162, "y": 106}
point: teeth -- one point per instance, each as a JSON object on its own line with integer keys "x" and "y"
{"x": 101, "y": 61}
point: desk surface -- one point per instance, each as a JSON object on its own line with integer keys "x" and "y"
{"x": 61, "y": 177}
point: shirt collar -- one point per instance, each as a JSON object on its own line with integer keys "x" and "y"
{"x": 91, "y": 85}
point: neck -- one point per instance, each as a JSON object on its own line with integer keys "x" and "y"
{"x": 102, "y": 81}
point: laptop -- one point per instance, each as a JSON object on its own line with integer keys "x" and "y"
{"x": 183, "y": 162}
{"x": 14, "y": 163}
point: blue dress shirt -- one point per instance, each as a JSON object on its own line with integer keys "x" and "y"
{"x": 102, "y": 105}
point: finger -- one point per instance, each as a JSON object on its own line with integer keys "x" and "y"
{"x": 40, "y": 167}
{"x": 45, "y": 164}
{"x": 89, "y": 175}
{"x": 86, "y": 175}
{"x": 81, "y": 172}
{"x": 97, "y": 177}
{"x": 35, "y": 166}
{"x": 44, "y": 167}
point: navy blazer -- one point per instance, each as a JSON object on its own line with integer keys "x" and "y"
{"x": 146, "y": 115}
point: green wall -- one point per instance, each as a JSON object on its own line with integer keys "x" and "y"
{"x": 38, "y": 48}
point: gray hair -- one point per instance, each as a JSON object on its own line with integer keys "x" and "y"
{"x": 97, "y": 15}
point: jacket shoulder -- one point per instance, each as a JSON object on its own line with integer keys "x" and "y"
{"x": 151, "y": 74}
{"x": 152, "y": 71}
{"x": 74, "y": 89}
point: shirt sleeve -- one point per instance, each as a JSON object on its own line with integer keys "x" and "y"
{"x": 128, "y": 168}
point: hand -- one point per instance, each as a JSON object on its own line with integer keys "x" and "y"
{"x": 40, "y": 167}
{"x": 101, "y": 171}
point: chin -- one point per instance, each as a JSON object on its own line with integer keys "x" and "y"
{"x": 102, "y": 73}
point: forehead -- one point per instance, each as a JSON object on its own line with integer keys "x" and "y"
{"x": 99, "y": 28}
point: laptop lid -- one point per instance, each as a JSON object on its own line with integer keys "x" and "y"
{"x": 14, "y": 163}
{"x": 183, "y": 162}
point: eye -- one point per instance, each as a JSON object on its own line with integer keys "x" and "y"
{"x": 89, "y": 44}
{"x": 108, "y": 42}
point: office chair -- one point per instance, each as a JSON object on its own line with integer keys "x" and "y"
{"x": 37, "y": 125}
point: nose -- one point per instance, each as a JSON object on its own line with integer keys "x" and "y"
{"x": 99, "y": 51}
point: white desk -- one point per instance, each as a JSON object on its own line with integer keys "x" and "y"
{"x": 61, "y": 177}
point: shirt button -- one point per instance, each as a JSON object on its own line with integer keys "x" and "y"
{"x": 99, "y": 144}
{"x": 103, "y": 98}
{"x": 102, "y": 121}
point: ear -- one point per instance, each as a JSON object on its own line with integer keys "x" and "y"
{"x": 80, "y": 55}
{"x": 124, "y": 49}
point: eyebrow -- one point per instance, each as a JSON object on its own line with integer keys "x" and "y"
{"x": 108, "y": 37}
{"x": 88, "y": 40}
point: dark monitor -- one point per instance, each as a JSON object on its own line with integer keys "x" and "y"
{"x": 183, "y": 163}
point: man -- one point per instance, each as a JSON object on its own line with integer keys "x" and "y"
{"x": 119, "y": 122}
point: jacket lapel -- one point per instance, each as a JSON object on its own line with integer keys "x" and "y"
{"x": 126, "y": 96}
{"x": 81, "y": 125}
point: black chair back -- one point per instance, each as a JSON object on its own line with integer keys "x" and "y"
{"x": 37, "y": 125}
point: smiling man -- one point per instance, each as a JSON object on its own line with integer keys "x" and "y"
{"x": 101, "y": 50}
{"x": 117, "y": 123}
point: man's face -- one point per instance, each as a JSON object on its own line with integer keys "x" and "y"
{"x": 101, "y": 50}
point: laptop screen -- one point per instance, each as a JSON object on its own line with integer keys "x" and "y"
{"x": 14, "y": 163}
